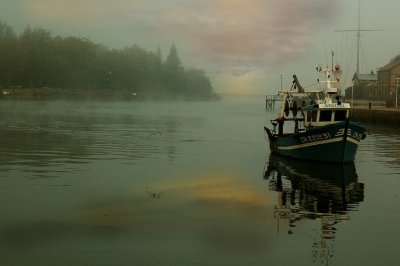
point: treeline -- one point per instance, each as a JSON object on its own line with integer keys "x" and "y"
{"x": 36, "y": 59}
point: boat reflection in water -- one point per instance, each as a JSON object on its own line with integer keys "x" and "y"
{"x": 316, "y": 191}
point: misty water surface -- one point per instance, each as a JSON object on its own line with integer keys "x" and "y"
{"x": 184, "y": 183}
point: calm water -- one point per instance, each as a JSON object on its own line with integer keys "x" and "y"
{"x": 185, "y": 183}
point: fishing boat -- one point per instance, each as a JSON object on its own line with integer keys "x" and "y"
{"x": 314, "y": 124}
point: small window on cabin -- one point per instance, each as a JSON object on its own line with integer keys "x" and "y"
{"x": 311, "y": 116}
{"x": 340, "y": 115}
{"x": 325, "y": 116}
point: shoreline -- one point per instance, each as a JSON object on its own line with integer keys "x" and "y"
{"x": 18, "y": 93}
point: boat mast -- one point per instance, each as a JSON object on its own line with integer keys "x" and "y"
{"x": 358, "y": 39}
{"x": 358, "y": 35}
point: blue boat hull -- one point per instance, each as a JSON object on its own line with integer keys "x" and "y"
{"x": 336, "y": 143}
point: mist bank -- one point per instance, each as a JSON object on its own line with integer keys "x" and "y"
{"x": 35, "y": 63}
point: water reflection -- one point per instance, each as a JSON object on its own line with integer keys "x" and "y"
{"x": 382, "y": 146}
{"x": 65, "y": 136}
{"x": 323, "y": 192}
{"x": 214, "y": 214}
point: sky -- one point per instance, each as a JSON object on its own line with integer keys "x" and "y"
{"x": 245, "y": 46}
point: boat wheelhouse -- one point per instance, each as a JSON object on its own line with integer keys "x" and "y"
{"x": 325, "y": 114}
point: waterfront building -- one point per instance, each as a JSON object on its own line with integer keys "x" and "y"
{"x": 381, "y": 86}
{"x": 389, "y": 81}
{"x": 364, "y": 87}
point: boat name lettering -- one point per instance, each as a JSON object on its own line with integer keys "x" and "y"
{"x": 340, "y": 132}
{"x": 357, "y": 136}
{"x": 332, "y": 105}
{"x": 316, "y": 137}
{"x": 335, "y": 105}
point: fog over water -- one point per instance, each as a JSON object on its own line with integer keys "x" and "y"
{"x": 131, "y": 133}
{"x": 184, "y": 183}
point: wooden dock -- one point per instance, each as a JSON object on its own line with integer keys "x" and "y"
{"x": 270, "y": 101}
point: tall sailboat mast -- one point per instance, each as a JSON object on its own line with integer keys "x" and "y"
{"x": 358, "y": 35}
{"x": 358, "y": 39}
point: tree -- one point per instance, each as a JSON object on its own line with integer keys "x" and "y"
{"x": 198, "y": 83}
{"x": 6, "y": 31}
{"x": 395, "y": 58}
{"x": 173, "y": 62}
{"x": 37, "y": 59}
{"x": 9, "y": 64}
{"x": 73, "y": 58}
{"x": 37, "y": 54}
{"x": 173, "y": 72}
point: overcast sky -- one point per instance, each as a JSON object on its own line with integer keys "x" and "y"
{"x": 243, "y": 45}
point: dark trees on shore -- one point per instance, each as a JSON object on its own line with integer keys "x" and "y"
{"x": 37, "y": 59}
